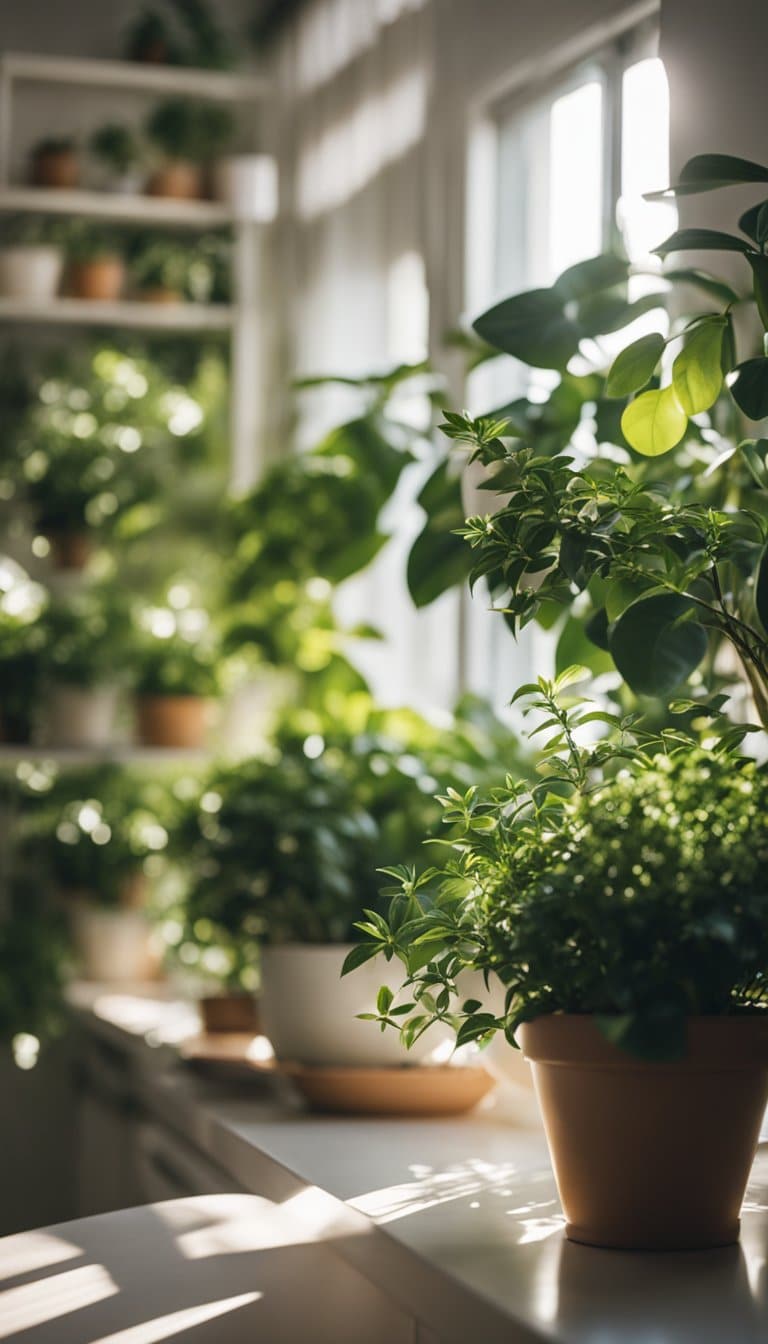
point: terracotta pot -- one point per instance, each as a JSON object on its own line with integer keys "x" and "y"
{"x": 100, "y": 280}
{"x": 179, "y": 179}
{"x": 159, "y": 294}
{"x": 56, "y": 168}
{"x": 70, "y": 550}
{"x": 230, "y": 1012}
{"x": 651, "y": 1155}
{"x": 172, "y": 720}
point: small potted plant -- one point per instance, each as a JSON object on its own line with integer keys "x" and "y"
{"x": 99, "y": 837}
{"x": 150, "y": 40}
{"x": 623, "y": 904}
{"x": 176, "y": 680}
{"x": 97, "y": 268}
{"x": 116, "y": 147}
{"x": 31, "y": 259}
{"x": 85, "y": 654}
{"x": 55, "y": 162}
{"x": 188, "y": 136}
{"x": 160, "y": 271}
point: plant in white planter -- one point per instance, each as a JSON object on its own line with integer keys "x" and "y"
{"x": 118, "y": 149}
{"x": 84, "y": 668}
{"x": 282, "y": 855}
{"x": 31, "y": 259}
{"x": 623, "y": 903}
{"x": 98, "y": 837}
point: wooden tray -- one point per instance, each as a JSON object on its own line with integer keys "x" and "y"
{"x": 394, "y": 1091}
{"x": 224, "y": 1054}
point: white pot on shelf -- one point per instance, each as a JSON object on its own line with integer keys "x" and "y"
{"x": 30, "y": 272}
{"x": 77, "y": 716}
{"x": 113, "y": 945}
{"x": 248, "y": 184}
{"x": 309, "y": 1013}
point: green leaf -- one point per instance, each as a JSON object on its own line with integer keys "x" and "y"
{"x": 583, "y": 279}
{"x": 754, "y": 222}
{"x": 575, "y": 645}
{"x": 384, "y": 1000}
{"x": 632, "y": 369}
{"x": 759, "y": 266}
{"x": 709, "y": 284}
{"x": 654, "y": 422}
{"x": 761, "y": 589}
{"x": 656, "y": 645}
{"x": 438, "y": 559}
{"x": 359, "y": 955}
{"x": 755, "y": 452}
{"x": 697, "y": 374}
{"x": 533, "y": 327}
{"x": 702, "y": 240}
{"x": 473, "y": 1027}
{"x": 708, "y": 172}
{"x": 750, "y": 388}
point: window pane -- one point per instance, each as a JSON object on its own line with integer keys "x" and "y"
{"x": 644, "y": 158}
{"x": 575, "y": 177}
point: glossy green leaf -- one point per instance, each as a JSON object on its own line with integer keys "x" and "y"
{"x": 532, "y": 327}
{"x": 603, "y": 272}
{"x": 702, "y": 240}
{"x": 656, "y": 645}
{"x": 708, "y": 284}
{"x": 600, "y": 314}
{"x": 759, "y": 266}
{"x": 697, "y": 374}
{"x": 761, "y": 589}
{"x": 633, "y": 368}
{"x": 439, "y": 559}
{"x": 750, "y": 388}
{"x": 754, "y": 222}
{"x": 654, "y": 422}
{"x": 708, "y": 172}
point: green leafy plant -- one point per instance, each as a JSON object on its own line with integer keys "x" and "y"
{"x": 116, "y": 146}
{"x": 22, "y": 641}
{"x": 650, "y": 544}
{"x": 626, "y": 883}
{"x": 33, "y": 966}
{"x": 175, "y": 666}
{"x": 85, "y": 637}
{"x": 93, "y": 833}
{"x": 199, "y": 273}
{"x": 184, "y": 32}
{"x": 91, "y": 242}
{"x": 22, "y": 230}
{"x": 188, "y": 130}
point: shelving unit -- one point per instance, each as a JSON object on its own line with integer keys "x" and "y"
{"x": 133, "y": 315}
{"x": 242, "y": 319}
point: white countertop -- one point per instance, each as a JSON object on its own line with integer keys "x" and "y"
{"x": 458, "y": 1220}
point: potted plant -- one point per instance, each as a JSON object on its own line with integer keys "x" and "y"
{"x": 85, "y": 654}
{"x": 31, "y": 259}
{"x": 97, "y": 268}
{"x": 99, "y": 837}
{"x": 281, "y": 855}
{"x": 34, "y": 958}
{"x": 622, "y": 903}
{"x": 116, "y": 147}
{"x": 188, "y": 135}
{"x": 150, "y": 40}
{"x": 55, "y": 162}
{"x": 160, "y": 271}
{"x": 175, "y": 683}
{"x": 21, "y": 658}
{"x": 638, "y": 860}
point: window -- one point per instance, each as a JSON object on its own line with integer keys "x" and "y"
{"x": 566, "y": 164}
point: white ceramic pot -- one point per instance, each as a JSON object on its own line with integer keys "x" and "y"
{"x": 309, "y": 1013}
{"x": 113, "y": 945}
{"x": 247, "y": 183}
{"x": 31, "y": 272}
{"x": 80, "y": 717}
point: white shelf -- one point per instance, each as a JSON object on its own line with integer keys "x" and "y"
{"x": 117, "y": 755}
{"x": 158, "y": 210}
{"x": 143, "y": 78}
{"x": 129, "y": 313}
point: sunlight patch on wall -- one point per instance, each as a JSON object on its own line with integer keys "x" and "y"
{"x": 332, "y": 35}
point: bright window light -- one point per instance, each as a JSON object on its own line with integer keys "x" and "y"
{"x": 644, "y": 158}
{"x": 575, "y": 176}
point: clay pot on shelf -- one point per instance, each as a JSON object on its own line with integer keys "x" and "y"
{"x": 100, "y": 279}
{"x": 178, "y": 179}
{"x": 80, "y": 716}
{"x": 230, "y": 1012}
{"x": 69, "y": 550}
{"x": 172, "y": 720}
{"x": 30, "y": 271}
{"x": 309, "y": 1013}
{"x": 651, "y": 1155}
{"x": 55, "y": 165}
{"x": 159, "y": 294}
